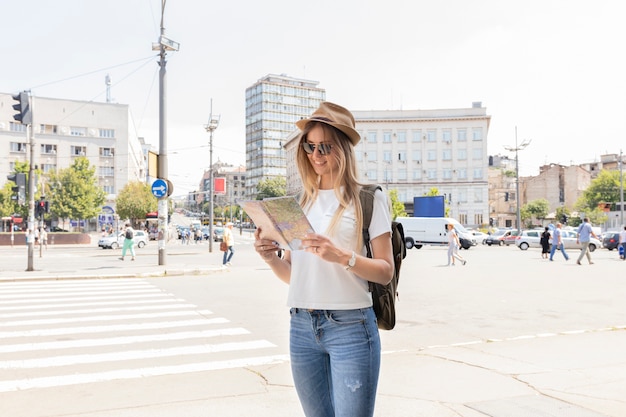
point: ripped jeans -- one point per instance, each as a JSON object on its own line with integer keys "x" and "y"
{"x": 335, "y": 361}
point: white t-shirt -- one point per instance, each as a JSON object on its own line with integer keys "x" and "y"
{"x": 321, "y": 285}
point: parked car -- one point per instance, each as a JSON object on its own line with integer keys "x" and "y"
{"x": 479, "y": 236}
{"x": 218, "y": 234}
{"x": 529, "y": 239}
{"x": 568, "y": 237}
{"x": 611, "y": 240}
{"x": 510, "y": 236}
{"x": 114, "y": 242}
{"x": 496, "y": 238}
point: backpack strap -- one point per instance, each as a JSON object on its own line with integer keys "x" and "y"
{"x": 366, "y": 195}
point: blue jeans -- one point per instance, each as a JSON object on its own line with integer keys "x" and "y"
{"x": 228, "y": 255}
{"x": 554, "y": 248}
{"x": 335, "y": 361}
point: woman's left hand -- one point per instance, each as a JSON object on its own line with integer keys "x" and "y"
{"x": 323, "y": 247}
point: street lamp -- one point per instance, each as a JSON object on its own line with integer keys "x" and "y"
{"x": 214, "y": 121}
{"x": 517, "y": 148}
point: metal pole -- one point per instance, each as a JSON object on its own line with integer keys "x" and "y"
{"x": 519, "y": 216}
{"x": 31, "y": 195}
{"x": 162, "y": 160}
{"x": 211, "y": 183}
{"x": 621, "y": 188}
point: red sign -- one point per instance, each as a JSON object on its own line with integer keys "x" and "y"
{"x": 219, "y": 185}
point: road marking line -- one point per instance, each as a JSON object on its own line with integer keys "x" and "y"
{"x": 76, "y": 379}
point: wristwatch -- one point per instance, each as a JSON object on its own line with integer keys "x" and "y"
{"x": 351, "y": 262}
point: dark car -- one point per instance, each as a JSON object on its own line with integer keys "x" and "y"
{"x": 496, "y": 238}
{"x": 610, "y": 240}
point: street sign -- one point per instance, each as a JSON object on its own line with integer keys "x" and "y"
{"x": 159, "y": 188}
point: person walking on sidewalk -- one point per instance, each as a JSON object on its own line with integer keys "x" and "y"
{"x": 584, "y": 236}
{"x": 557, "y": 243}
{"x": 622, "y": 242}
{"x": 129, "y": 242}
{"x": 230, "y": 241}
{"x": 334, "y": 342}
{"x": 453, "y": 246}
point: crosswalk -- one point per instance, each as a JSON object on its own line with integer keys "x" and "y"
{"x": 62, "y": 333}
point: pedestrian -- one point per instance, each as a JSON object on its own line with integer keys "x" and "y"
{"x": 43, "y": 237}
{"x": 557, "y": 243}
{"x": 622, "y": 242}
{"x": 584, "y": 236}
{"x": 334, "y": 340}
{"x": 230, "y": 241}
{"x": 545, "y": 243}
{"x": 453, "y": 246}
{"x": 129, "y": 242}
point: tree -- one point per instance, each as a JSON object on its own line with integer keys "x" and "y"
{"x": 74, "y": 191}
{"x": 397, "y": 207}
{"x": 605, "y": 188}
{"x": 536, "y": 208}
{"x": 135, "y": 200}
{"x": 272, "y": 187}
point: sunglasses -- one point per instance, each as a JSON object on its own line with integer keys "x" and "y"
{"x": 322, "y": 148}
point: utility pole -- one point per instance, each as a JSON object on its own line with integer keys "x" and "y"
{"x": 210, "y": 127}
{"x": 621, "y": 188}
{"x": 162, "y": 46}
{"x": 515, "y": 149}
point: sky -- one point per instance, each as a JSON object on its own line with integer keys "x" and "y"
{"x": 554, "y": 71}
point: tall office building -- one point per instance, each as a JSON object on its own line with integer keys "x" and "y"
{"x": 273, "y": 105}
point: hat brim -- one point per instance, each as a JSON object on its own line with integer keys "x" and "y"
{"x": 352, "y": 134}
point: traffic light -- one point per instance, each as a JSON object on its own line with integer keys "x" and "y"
{"x": 22, "y": 107}
{"x": 564, "y": 219}
{"x": 491, "y": 221}
{"x": 19, "y": 190}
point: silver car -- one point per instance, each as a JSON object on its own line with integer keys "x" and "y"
{"x": 113, "y": 242}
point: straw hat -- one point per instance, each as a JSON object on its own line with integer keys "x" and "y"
{"x": 336, "y": 116}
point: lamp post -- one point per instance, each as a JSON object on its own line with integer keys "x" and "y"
{"x": 515, "y": 149}
{"x": 214, "y": 121}
{"x": 621, "y": 189}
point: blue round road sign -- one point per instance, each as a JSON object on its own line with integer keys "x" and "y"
{"x": 159, "y": 188}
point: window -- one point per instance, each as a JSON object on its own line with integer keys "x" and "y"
{"x": 446, "y": 135}
{"x": 109, "y": 189}
{"x": 461, "y": 135}
{"x": 446, "y": 155}
{"x": 388, "y": 176}
{"x": 462, "y": 154}
{"x": 463, "y": 218}
{"x": 477, "y": 133}
{"x": 17, "y": 127}
{"x": 402, "y": 136}
{"x": 417, "y": 174}
{"x": 18, "y": 147}
{"x": 432, "y": 155}
{"x": 416, "y": 156}
{"x": 477, "y": 153}
{"x": 78, "y": 150}
{"x": 478, "y": 219}
{"x": 387, "y": 156}
{"x": 371, "y": 156}
{"x": 106, "y": 133}
{"x": 447, "y": 174}
{"x": 48, "y": 168}
{"x": 402, "y": 175}
{"x": 432, "y": 174}
{"x": 371, "y": 174}
{"x": 78, "y": 131}
{"x": 431, "y": 136}
{"x": 107, "y": 171}
{"x": 387, "y": 137}
{"x": 417, "y": 135}
{"x": 48, "y": 149}
{"x": 402, "y": 156}
{"x": 358, "y": 155}
{"x": 48, "y": 129}
{"x": 462, "y": 173}
{"x": 478, "y": 196}
{"x": 478, "y": 173}
{"x": 107, "y": 151}
{"x": 371, "y": 137}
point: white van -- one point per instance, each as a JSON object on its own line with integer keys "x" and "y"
{"x": 420, "y": 231}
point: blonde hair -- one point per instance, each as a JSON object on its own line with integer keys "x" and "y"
{"x": 345, "y": 161}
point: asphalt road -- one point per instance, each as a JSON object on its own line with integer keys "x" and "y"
{"x": 507, "y": 335}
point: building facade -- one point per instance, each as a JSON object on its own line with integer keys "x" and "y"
{"x": 63, "y": 130}
{"x": 273, "y": 105}
{"x": 413, "y": 151}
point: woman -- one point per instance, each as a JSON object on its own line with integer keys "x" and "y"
{"x": 230, "y": 241}
{"x": 545, "y": 243}
{"x": 453, "y": 246}
{"x": 334, "y": 340}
